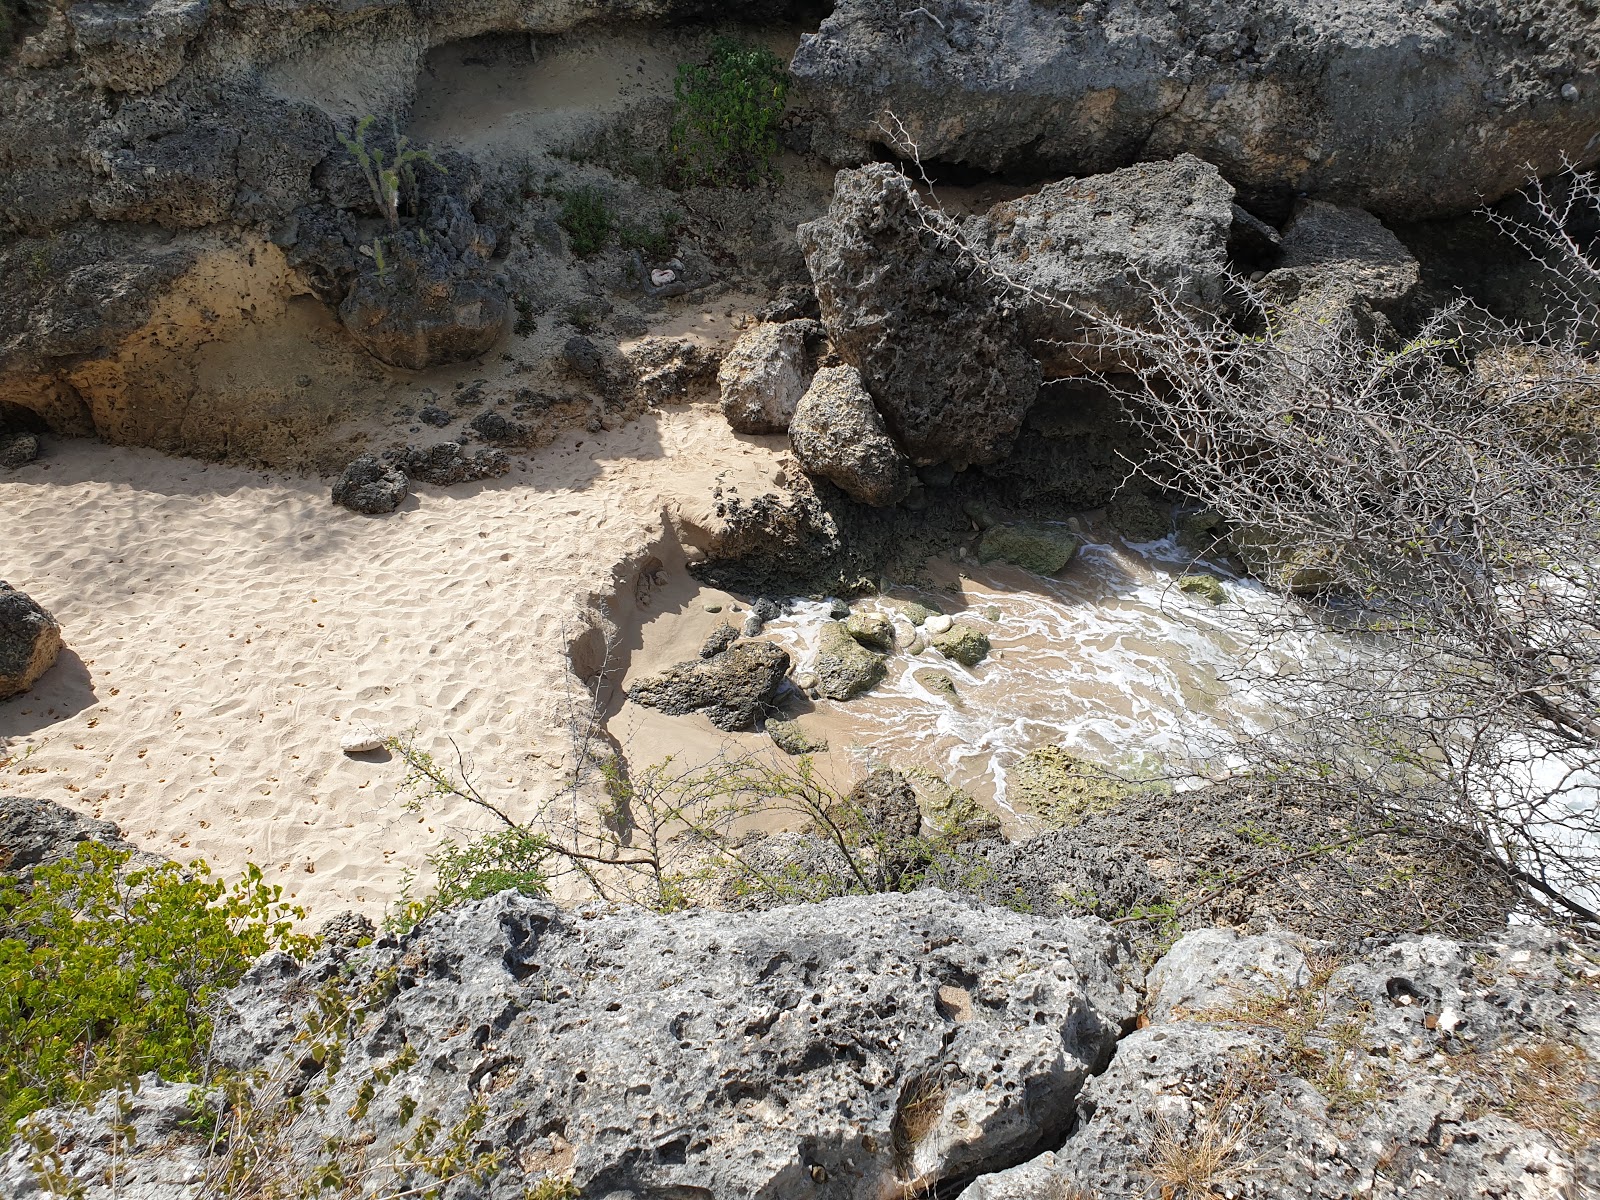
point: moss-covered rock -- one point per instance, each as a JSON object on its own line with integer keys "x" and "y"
{"x": 1299, "y": 570}
{"x": 962, "y": 644}
{"x": 1207, "y": 587}
{"x": 1032, "y": 545}
{"x": 794, "y": 738}
{"x": 873, "y": 630}
{"x": 1063, "y": 788}
{"x": 939, "y": 682}
{"x": 953, "y": 814}
{"x": 916, "y": 612}
{"x": 1138, "y": 518}
{"x": 844, "y": 667}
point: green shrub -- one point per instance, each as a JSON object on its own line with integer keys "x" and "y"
{"x": 656, "y": 239}
{"x": 105, "y": 975}
{"x": 587, "y": 218}
{"x": 726, "y": 113}
{"x": 511, "y": 858}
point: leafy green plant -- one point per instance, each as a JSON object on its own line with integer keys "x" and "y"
{"x": 387, "y": 176}
{"x": 106, "y": 974}
{"x": 726, "y": 113}
{"x": 587, "y": 217}
{"x": 511, "y": 858}
{"x": 654, "y": 238}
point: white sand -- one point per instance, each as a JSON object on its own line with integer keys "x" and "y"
{"x": 225, "y": 626}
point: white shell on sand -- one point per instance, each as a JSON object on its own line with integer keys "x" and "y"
{"x": 359, "y": 739}
{"x": 937, "y": 623}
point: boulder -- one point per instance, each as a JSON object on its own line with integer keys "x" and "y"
{"x": 794, "y": 738}
{"x": 1102, "y": 248}
{"x": 1138, "y": 518}
{"x": 844, "y": 667}
{"x": 446, "y": 463}
{"x": 368, "y": 486}
{"x": 837, "y": 434}
{"x": 952, "y": 813}
{"x": 888, "y": 805}
{"x": 17, "y": 450}
{"x": 1207, "y": 587}
{"x": 1063, "y": 788}
{"x": 1341, "y": 270}
{"x": 37, "y": 833}
{"x": 933, "y": 341}
{"x": 763, "y": 377}
{"x": 30, "y": 640}
{"x": 1388, "y": 108}
{"x": 873, "y": 630}
{"x": 718, "y": 640}
{"x": 425, "y": 312}
{"x": 733, "y": 687}
{"x": 962, "y": 644}
{"x": 1032, "y": 545}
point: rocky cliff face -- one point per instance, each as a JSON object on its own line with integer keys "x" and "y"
{"x": 1410, "y": 110}
{"x": 883, "y": 1046}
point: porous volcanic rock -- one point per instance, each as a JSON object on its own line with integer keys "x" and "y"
{"x": 933, "y": 340}
{"x": 837, "y": 433}
{"x": 368, "y": 486}
{"x": 30, "y": 640}
{"x": 764, "y": 375}
{"x": 844, "y": 667}
{"x": 35, "y": 833}
{"x": 425, "y": 317}
{"x": 446, "y": 463}
{"x": 1428, "y": 1065}
{"x": 1415, "y": 110}
{"x": 732, "y": 687}
{"x": 1032, "y": 545}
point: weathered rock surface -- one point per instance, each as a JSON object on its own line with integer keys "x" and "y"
{"x": 446, "y": 463}
{"x": 934, "y": 344}
{"x": 873, "y": 630}
{"x": 845, "y": 668}
{"x": 1393, "y": 109}
{"x": 368, "y": 486}
{"x": 17, "y": 450}
{"x": 424, "y": 314}
{"x": 764, "y": 375}
{"x": 840, "y": 1050}
{"x": 30, "y": 640}
{"x": 36, "y": 833}
{"x": 732, "y": 687}
{"x": 792, "y": 737}
{"x": 837, "y": 433}
{"x": 1427, "y": 1067}
{"x": 963, "y": 644}
{"x": 1032, "y": 545}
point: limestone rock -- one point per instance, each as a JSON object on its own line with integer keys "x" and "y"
{"x": 368, "y": 486}
{"x": 1364, "y": 103}
{"x": 447, "y": 463}
{"x": 669, "y": 370}
{"x": 718, "y": 640}
{"x": 844, "y": 667}
{"x": 888, "y": 804}
{"x": 1210, "y": 970}
{"x": 1207, "y": 587}
{"x": 933, "y": 342}
{"x": 424, "y": 313}
{"x": 30, "y": 640}
{"x": 792, "y": 737}
{"x": 361, "y": 739}
{"x": 138, "y": 46}
{"x": 35, "y": 833}
{"x": 873, "y": 630}
{"x": 17, "y": 450}
{"x": 732, "y": 687}
{"x": 640, "y": 1049}
{"x": 937, "y": 623}
{"x": 962, "y": 644}
{"x": 1063, "y": 788}
{"x": 837, "y": 434}
{"x": 1032, "y": 545}
{"x": 763, "y": 377}
{"x": 1138, "y": 518}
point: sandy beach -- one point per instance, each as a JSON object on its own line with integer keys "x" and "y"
{"x": 226, "y": 627}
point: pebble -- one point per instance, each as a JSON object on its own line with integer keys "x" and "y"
{"x": 937, "y": 623}
{"x": 713, "y": 608}
{"x": 361, "y": 739}
{"x": 1570, "y": 92}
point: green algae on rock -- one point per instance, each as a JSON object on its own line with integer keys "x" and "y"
{"x": 793, "y": 738}
{"x": 873, "y": 630}
{"x": 1032, "y": 545}
{"x": 1208, "y": 587}
{"x": 1063, "y": 788}
{"x": 844, "y": 667}
{"x": 962, "y": 644}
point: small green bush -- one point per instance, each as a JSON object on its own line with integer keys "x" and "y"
{"x": 726, "y": 114}
{"x": 656, "y": 239}
{"x": 587, "y": 218}
{"x": 106, "y": 974}
{"x": 511, "y": 858}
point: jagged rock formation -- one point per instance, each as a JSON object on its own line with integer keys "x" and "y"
{"x": 1409, "y": 111}
{"x": 368, "y": 486}
{"x": 733, "y": 685}
{"x": 37, "y": 833}
{"x": 30, "y": 640}
{"x": 764, "y": 375}
{"x": 1424, "y": 1067}
{"x": 837, "y": 434}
